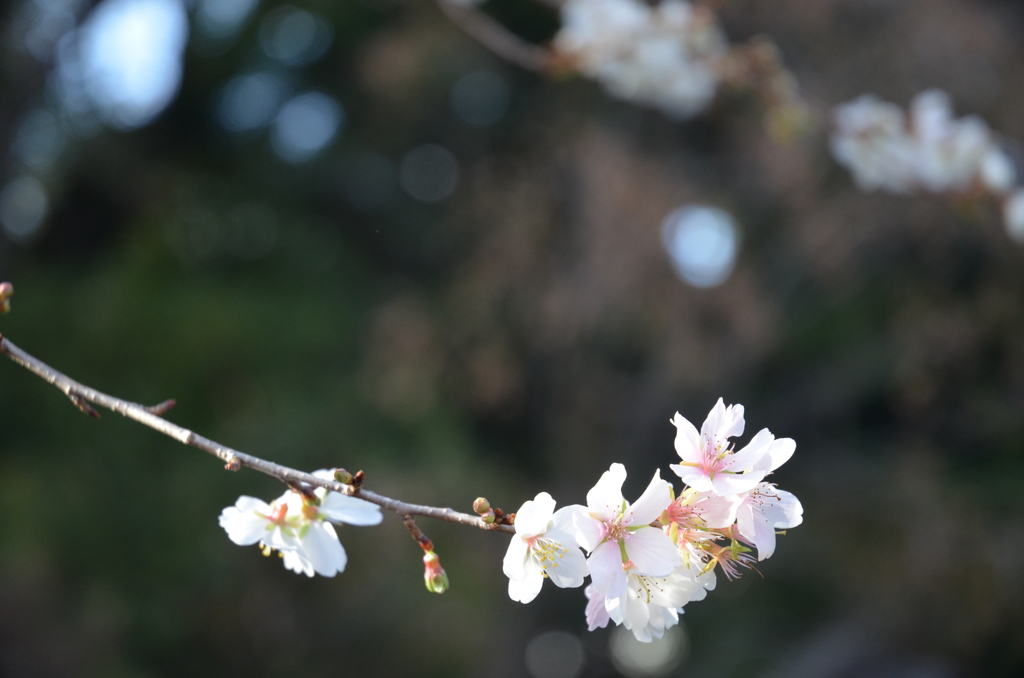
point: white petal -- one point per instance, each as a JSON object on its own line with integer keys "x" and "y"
{"x": 693, "y": 476}
{"x": 563, "y": 523}
{"x": 726, "y": 484}
{"x": 526, "y": 589}
{"x": 245, "y": 527}
{"x": 297, "y": 563}
{"x": 589, "y": 531}
{"x": 651, "y": 503}
{"x": 605, "y": 565}
{"x": 752, "y": 453}
{"x": 788, "y": 512}
{"x": 723, "y": 422}
{"x": 605, "y": 499}
{"x": 652, "y": 552}
{"x": 569, "y": 570}
{"x": 514, "y": 564}
{"x": 534, "y": 516}
{"x": 688, "y": 443}
{"x": 321, "y": 547}
{"x": 780, "y": 452}
{"x": 352, "y": 510}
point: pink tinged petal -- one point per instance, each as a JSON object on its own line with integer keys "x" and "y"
{"x": 514, "y": 564}
{"x": 764, "y": 537}
{"x": 715, "y": 511}
{"x": 606, "y": 572}
{"x": 352, "y": 510}
{"x": 533, "y": 517}
{"x": 651, "y": 503}
{"x": 571, "y": 569}
{"x": 688, "y": 443}
{"x": 526, "y": 589}
{"x": 605, "y": 499}
{"x": 693, "y": 476}
{"x": 780, "y": 452}
{"x": 651, "y": 551}
{"x": 754, "y": 451}
{"x": 597, "y": 615}
{"x": 589, "y": 531}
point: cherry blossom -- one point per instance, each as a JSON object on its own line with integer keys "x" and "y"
{"x": 763, "y": 510}
{"x": 709, "y": 464}
{"x": 619, "y": 536}
{"x": 544, "y": 547}
{"x": 665, "y": 56}
{"x": 299, "y": 527}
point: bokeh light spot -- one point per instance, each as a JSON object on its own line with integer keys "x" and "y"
{"x": 23, "y": 208}
{"x": 250, "y": 101}
{"x": 39, "y": 139}
{"x": 648, "y": 660}
{"x": 702, "y": 243}
{"x": 555, "y": 654}
{"x": 480, "y": 97}
{"x": 429, "y": 173}
{"x": 223, "y": 18}
{"x": 294, "y": 36}
{"x": 129, "y": 54}
{"x": 305, "y": 125}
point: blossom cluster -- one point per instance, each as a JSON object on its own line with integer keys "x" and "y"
{"x": 649, "y": 558}
{"x": 299, "y": 526}
{"x": 925, "y": 148}
{"x": 665, "y": 56}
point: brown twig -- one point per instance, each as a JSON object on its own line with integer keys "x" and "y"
{"x": 233, "y": 459}
{"x": 496, "y": 37}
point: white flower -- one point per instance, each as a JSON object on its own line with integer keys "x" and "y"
{"x": 1013, "y": 215}
{"x": 709, "y": 464}
{"x": 619, "y": 536}
{"x": 763, "y": 510}
{"x": 652, "y": 604}
{"x": 871, "y": 140}
{"x": 298, "y": 528}
{"x": 664, "y": 56}
{"x": 949, "y": 152}
{"x": 544, "y": 546}
{"x": 929, "y": 149}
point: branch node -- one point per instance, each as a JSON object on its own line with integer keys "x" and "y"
{"x": 82, "y": 404}
{"x": 357, "y": 479}
{"x": 234, "y": 463}
{"x": 161, "y": 407}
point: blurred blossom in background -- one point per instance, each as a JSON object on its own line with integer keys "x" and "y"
{"x": 346, "y": 234}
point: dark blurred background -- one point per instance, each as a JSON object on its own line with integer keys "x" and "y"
{"x": 353, "y": 237}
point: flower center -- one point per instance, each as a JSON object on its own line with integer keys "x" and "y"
{"x": 547, "y": 552}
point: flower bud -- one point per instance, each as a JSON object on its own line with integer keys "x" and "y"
{"x": 481, "y": 505}
{"x": 343, "y": 476}
{"x": 488, "y": 517}
{"x": 6, "y": 292}
{"x": 434, "y": 575}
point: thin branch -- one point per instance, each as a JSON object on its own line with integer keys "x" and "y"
{"x": 81, "y": 394}
{"x": 496, "y": 37}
